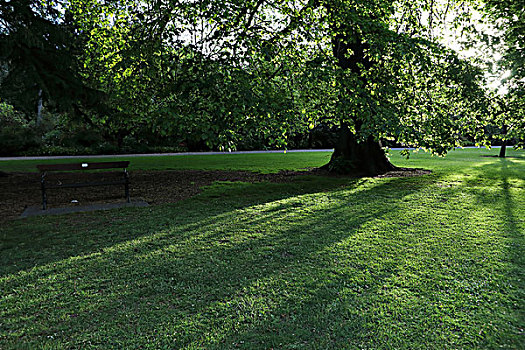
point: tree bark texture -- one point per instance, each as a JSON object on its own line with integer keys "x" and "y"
{"x": 39, "y": 109}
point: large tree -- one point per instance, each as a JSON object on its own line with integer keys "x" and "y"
{"x": 397, "y": 82}
{"x": 376, "y": 69}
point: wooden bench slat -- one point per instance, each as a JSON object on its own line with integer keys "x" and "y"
{"x": 82, "y": 166}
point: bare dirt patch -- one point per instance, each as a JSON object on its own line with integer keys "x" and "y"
{"x": 20, "y": 190}
{"x": 406, "y": 172}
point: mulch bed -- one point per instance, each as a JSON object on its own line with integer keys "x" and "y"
{"x": 20, "y": 190}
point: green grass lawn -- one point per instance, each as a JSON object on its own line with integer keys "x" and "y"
{"x": 435, "y": 261}
{"x": 263, "y": 163}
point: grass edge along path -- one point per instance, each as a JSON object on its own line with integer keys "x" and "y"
{"x": 426, "y": 262}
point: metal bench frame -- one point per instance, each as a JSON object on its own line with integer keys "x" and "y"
{"x": 45, "y": 168}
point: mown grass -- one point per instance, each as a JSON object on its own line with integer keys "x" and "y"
{"x": 321, "y": 263}
{"x": 263, "y": 163}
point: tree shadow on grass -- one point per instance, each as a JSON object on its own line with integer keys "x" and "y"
{"x": 269, "y": 265}
{"x": 461, "y": 289}
{"x": 493, "y": 260}
{"x": 194, "y": 281}
{"x": 514, "y": 258}
{"x": 38, "y": 241}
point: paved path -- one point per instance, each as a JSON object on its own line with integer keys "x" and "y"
{"x": 185, "y": 154}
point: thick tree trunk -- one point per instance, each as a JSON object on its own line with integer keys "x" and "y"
{"x": 39, "y": 109}
{"x": 358, "y": 158}
{"x": 503, "y": 148}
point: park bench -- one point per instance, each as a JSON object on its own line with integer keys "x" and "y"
{"x": 45, "y": 168}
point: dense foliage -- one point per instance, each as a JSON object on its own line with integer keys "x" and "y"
{"x": 274, "y": 68}
{"x": 39, "y": 50}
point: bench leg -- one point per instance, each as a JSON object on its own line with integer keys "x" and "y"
{"x": 126, "y": 186}
{"x": 43, "y": 187}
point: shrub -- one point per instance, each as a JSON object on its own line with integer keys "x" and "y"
{"x": 16, "y": 133}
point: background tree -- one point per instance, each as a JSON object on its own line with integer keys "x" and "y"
{"x": 507, "y": 113}
{"x": 38, "y": 51}
{"x": 509, "y": 39}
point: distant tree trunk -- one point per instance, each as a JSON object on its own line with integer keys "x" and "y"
{"x": 39, "y": 109}
{"x": 351, "y": 155}
{"x": 121, "y": 134}
{"x": 503, "y": 148}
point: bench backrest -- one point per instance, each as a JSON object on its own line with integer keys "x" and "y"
{"x": 82, "y": 166}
